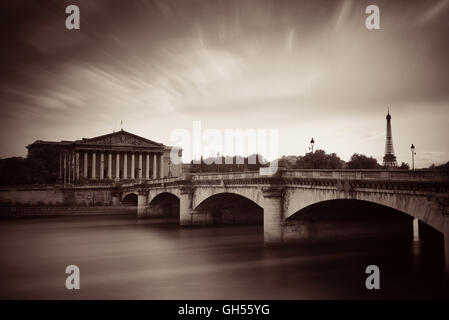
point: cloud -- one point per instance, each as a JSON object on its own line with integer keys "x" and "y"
{"x": 433, "y": 12}
{"x": 283, "y": 64}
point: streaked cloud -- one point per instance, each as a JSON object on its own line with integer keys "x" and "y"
{"x": 435, "y": 10}
{"x": 309, "y": 68}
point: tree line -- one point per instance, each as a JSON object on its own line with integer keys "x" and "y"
{"x": 322, "y": 160}
{"x": 312, "y": 160}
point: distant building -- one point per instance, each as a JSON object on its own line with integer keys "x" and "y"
{"x": 116, "y": 156}
{"x": 389, "y": 157}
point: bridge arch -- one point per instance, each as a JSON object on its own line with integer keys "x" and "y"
{"x": 153, "y": 193}
{"x": 129, "y": 198}
{"x": 164, "y": 204}
{"x": 417, "y": 206}
{"x": 206, "y": 201}
{"x": 229, "y": 208}
{"x": 162, "y": 194}
{"x": 253, "y": 194}
{"x": 124, "y": 194}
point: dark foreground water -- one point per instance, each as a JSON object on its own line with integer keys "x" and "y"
{"x": 121, "y": 257}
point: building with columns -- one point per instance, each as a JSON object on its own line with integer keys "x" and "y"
{"x": 116, "y": 156}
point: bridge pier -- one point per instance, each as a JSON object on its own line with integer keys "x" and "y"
{"x": 142, "y": 203}
{"x": 185, "y": 206}
{"x": 115, "y": 198}
{"x": 446, "y": 238}
{"x": 273, "y": 215}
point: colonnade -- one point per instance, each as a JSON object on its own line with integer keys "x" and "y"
{"x": 99, "y": 165}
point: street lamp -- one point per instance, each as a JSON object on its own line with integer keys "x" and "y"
{"x": 312, "y": 143}
{"x": 412, "y": 148}
{"x": 169, "y": 168}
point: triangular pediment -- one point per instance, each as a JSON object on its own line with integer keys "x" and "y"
{"x": 121, "y": 138}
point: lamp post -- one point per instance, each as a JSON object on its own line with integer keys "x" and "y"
{"x": 412, "y": 148}
{"x": 312, "y": 143}
{"x": 169, "y": 168}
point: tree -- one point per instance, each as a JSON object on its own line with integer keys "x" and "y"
{"x": 361, "y": 161}
{"x": 442, "y": 169}
{"x": 441, "y": 166}
{"x": 17, "y": 170}
{"x": 288, "y": 162}
{"x": 404, "y": 166}
{"x": 319, "y": 160}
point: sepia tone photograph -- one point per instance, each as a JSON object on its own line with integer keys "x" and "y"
{"x": 213, "y": 150}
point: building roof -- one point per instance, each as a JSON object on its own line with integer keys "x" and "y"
{"x": 119, "y": 138}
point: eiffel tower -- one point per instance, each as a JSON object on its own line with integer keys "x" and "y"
{"x": 389, "y": 157}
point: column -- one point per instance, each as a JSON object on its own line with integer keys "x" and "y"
{"x": 133, "y": 161}
{"x": 125, "y": 166}
{"x": 69, "y": 164}
{"x": 147, "y": 166}
{"x": 142, "y": 203}
{"x": 60, "y": 167}
{"x": 117, "y": 166}
{"x": 154, "y": 166}
{"x": 65, "y": 167}
{"x": 140, "y": 166}
{"x": 110, "y": 165}
{"x": 93, "y": 165}
{"x": 272, "y": 215}
{"x": 161, "y": 166}
{"x": 72, "y": 154}
{"x": 185, "y": 206}
{"x": 85, "y": 165}
{"x": 102, "y": 165}
{"x": 77, "y": 164}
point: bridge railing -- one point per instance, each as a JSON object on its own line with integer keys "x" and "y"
{"x": 225, "y": 176}
{"x": 406, "y": 175}
{"x": 119, "y": 182}
{"x": 377, "y": 174}
{"x": 163, "y": 180}
{"x": 367, "y": 174}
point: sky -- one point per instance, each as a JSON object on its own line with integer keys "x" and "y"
{"x": 307, "y": 68}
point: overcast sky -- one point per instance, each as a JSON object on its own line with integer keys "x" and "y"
{"x": 308, "y": 68}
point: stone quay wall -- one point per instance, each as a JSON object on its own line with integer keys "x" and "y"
{"x": 55, "y": 195}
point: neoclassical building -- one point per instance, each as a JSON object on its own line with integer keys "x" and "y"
{"x": 116, "y": 156}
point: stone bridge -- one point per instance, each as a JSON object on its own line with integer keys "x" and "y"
{"x": 421, "y": 194}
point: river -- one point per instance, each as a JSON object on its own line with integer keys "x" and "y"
{"x": 121, "y": 257}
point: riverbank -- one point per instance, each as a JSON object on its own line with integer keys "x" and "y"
{"x": 60, "y": 211}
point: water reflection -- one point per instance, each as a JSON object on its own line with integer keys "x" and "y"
{"x": 121, "y": 257}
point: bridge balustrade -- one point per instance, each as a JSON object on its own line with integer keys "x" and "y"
{"x": 386, "y": 175}
{"x": 221, "y": 176}
{"x": 403, "y": 175}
